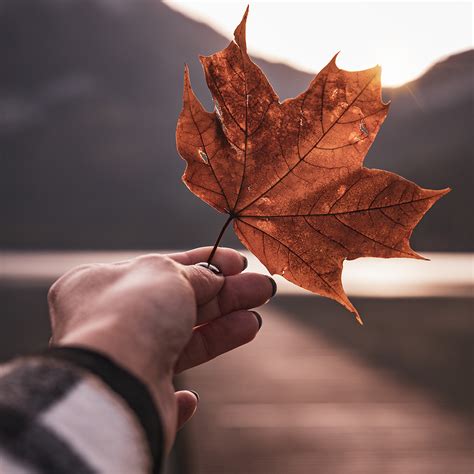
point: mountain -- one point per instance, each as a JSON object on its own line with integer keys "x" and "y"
{"x": 90, "y": 91}
{"x": 427, "y": 138}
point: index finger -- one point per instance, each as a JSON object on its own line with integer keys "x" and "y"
{"x": 229, "y": 261}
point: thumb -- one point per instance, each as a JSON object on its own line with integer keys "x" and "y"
{"x": 187, "y": 402}
{"x": 206, "y": 281}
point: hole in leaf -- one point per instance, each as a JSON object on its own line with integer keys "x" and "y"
{"x": 204, "y": 157}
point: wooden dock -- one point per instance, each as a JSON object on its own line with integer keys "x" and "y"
{"x": 291, "y": 402}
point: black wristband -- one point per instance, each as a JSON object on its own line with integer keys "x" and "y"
{"x": 133, "y": 391}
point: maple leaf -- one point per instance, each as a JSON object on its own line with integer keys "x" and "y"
{"x": 290, "y": 174}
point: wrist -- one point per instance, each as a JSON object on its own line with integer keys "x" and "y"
{"x": 123, "y": 348}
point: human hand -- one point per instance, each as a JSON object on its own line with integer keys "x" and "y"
{"x": 158, "y": 315}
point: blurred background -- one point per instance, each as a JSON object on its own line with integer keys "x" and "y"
{"x": 90, "y": 91}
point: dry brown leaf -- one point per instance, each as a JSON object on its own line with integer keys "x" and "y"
{"x": 290, "y": 174}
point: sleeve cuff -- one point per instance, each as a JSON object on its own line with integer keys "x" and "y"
{"x": 133, "y": 391}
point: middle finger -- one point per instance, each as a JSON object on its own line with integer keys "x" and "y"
{"x": 243, "y": 291}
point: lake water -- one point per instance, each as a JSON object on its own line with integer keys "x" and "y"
{"x": 446, "y": 274}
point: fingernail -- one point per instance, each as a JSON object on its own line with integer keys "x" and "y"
{"x": 210, "y": 267}
{"x": 195, "y": 394}
{"x": 246, "y": 262}
{"x": 259, "y": 319}
{"x": 274, "y": 286}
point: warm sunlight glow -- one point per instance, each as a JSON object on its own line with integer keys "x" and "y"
{"x": 406, "y": 38}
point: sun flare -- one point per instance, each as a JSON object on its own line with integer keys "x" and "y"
{"x": 404, "y": 38}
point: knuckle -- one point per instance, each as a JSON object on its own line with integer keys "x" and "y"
{"x": 163, "y": 267}
{"x": 70, "y": 278}
{"x": 76, "y": 271}
{"x": 168, "y": 262}
{"x": 84, "y": 266}
{"x": 147, "y": 258}
{"x": 158, "y": 261}
{"x": 201, "y": 277}
{"x": 53, "y": 294}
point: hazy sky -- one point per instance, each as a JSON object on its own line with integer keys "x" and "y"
{"x": 405, "y": 38}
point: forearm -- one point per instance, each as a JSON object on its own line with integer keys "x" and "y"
{"x": 71, "y": 410}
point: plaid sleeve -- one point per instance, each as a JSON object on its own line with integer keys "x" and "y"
{"x": 72, "y": 410}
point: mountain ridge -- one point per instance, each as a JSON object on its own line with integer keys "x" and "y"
{"x": 90, "y": 98}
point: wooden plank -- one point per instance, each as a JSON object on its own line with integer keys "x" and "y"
{"x": 291, "y": 402}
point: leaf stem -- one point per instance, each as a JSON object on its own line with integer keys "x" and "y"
{"x": 221, "y": 234}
